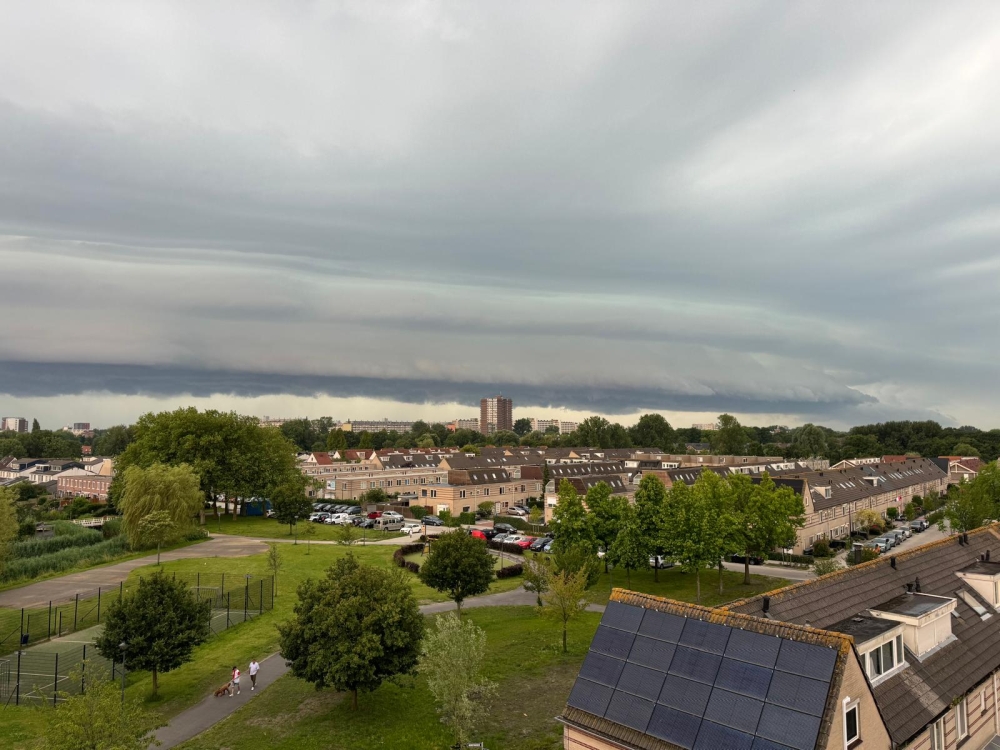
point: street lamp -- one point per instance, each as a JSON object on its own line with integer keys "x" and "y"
{"x": 124, "y": 647}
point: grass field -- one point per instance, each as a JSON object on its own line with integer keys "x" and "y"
{"x": 524, "y": 658}
{"x": 268, "y": 528}
{"x": 676, "y": 584}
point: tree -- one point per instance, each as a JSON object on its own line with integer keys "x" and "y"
{"x": 365, "y": 441}
{"x": 160, "y": 624}
{"x": 505, "y": 437}
{"x": 336, "y": 440}
{"x": 35, "y": 427}
{"x": 593, "y": 432}
{"x": 537, "y": 572}
{"x": 309, "y": 532}
{"x": 965, "y": 450}
{"x": 156, "y": 528}
{"x": 522, "y": 426}
{"x": 650, "y": 501}
{"x": 171, "y": 489}
{"x": 345, "y": 533}
{"x": 809, "y": 441}
{"x": 274, "y": 563}
{"x": 353, "y": 629}
{"x": 426, "y": 441}
{"x": 606, "y": 514}
{"x": 113, "y": 441}
{"x": 98, "y": 719}
{"x": 452, "y": 662}
{"x": 8, "y": 524}
{"x": 630, "y": 549}
{"x": 374, "y": 496}
{"x": 729, "y": 439}
{"x": 866, "y": 518}
{"x": 470, "y": 448}
{"x": 290, "y": 504}
{"x": 825, "y": 565}
{"x": 570, "y": 521}
{"x": 686, "y": 531}
{"x": 765, "y": 518}
{"x": 968, "y": 508}
{"x": 564, "y": 599}
{"x": 653, "y": 431}
{"x": 486, "y": 508}
{"x": 459, "y": 565}
{"x": 618, "y": 437}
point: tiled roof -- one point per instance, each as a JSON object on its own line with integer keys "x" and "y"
{"x": 916, "y": 696}
{"x": 855, "y": 483}
{"x": 662, "y": 675}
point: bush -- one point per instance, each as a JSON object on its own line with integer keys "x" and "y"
{"x": 111, "y": 529}
{"x": 55, "y": 562}
{"x": 26, "y": 529}
{"x": 917, "y": 500}
{"x": 935, "y": 517}
{"x": 867, "y": 553}
{"x": 52, "y": 544}
{"x": 876, "y": 530}
{"x": 826, "y": 565}
{"x": 418, "y": 511}
{"x": 510, "y": 571}
{"x": 512, "y": 549}
{"x": 412, "y": 567}
{"x": 68, "y": 528}
{"x": 467, "y": 518}
{"x": 196, "y": 534}
{"x": 799, "y": 559}
{"x": 400, "y": 554}
{"x": 892, "y": 513}
{"x": 821, "y": 548}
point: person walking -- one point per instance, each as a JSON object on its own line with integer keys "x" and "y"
{"x": 254, "y": 668}
{"x": 236, "y": 682}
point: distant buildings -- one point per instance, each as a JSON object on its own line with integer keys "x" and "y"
{"x": 705, "y": 426}
{"x": 543, "y": 425}
{"x": 463, "y": 424}
{"x": 495, "y": 415}
{"x": 14, "y": 424}
{"x": 376, "y": 426}
{"x": 80, "y": 429}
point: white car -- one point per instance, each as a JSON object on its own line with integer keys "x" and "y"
{"x": 412, "y": 527}
{"x": 341, "y": 519}
{"x": 516, "y": 512}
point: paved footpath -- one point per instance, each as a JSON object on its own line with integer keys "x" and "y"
{"x": 65, "y": 587}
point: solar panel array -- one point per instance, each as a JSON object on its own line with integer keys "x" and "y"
{"x": 704, "y": 686}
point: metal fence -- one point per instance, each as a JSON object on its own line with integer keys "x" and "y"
{"x": 46, "y": 677}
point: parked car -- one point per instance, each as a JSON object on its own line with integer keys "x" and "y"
{"x": 366, "y": 523}
{"x": 753, "y": 559}
{"x": 538, "y": 544}
{"x": 884, "y": 544}
{"x": 548, "y": 545}
{"x": 504, "y": 528}
{"x": 501, "y": 538}
{"x": 876, "y": 545}
{"x": 524, "y": 542}
{"x": 412, "y": 527}
{"x": 918, "y": 525}
{"x": 375, "y": 514}
{"x": 897, "y": 535}
{"x": 343, "y": 519}
{"x": 477, "y": 533}
{"x": 487, "y": 533}
{"x": 392, "y": 514}
{"x": 432, "y": 521}
{"x": 516, "y": 511}
{"x": 353, "y": 510}
{"x": 319, "y": 517}
{"x": 661, "y": 562}
{"x": 388, "y": 523}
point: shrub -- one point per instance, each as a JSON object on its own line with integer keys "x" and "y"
{"x": 799, "y": 559}
{"x": 68, "y": 528}
{"x": 510, "y": 571}
{"x": 827, "y": 565}
{"x": 52, "y": 544}
{"x": 111, "y": 529}
{"x": 867, "y": 553}
{"x": 467, "y": 518}
{"x": 876, "y": 530}
{"x": 55, "y": 562}
{"x": 399, "y": 557}
{"x": 196, "y": 534}
{"x": 918, "y": 501}
{"x": 412, "y": 567}
{"x": 892, "y": 513}
{"x": 446, "y": 518}
{"x": 821, "y": 548}
{"x": 520, "y": 524}
{"x": 418, "y": 511}
{"x": 26, "y": 529}
{"x": 512, "y": 549}
{"x": 935, "y": 517}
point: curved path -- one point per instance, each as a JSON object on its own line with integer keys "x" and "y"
{"x": 65, "y": 587}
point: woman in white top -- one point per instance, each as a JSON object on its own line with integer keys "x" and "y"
{"x": 236, "y": 682}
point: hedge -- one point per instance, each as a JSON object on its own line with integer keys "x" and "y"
{"x": 801, "y": 559}
{"x": 521, "y": 524}
{"x": 510, "y": 548}
{"x": 934, "y": 517}
{"x": 48, "y": 545}
{"x": 68, "y": 528}
{"x": 32, "y": 567}
{"x": 400, "y": 554}
{"x": 510, "y": 571}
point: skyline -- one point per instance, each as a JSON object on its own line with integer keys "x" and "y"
{"x": 772, "y": 210}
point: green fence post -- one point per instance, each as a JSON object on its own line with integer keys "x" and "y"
{"x": 55, "y": 683}
{"x": 98, "y": 605}
{"x": 83, "y": 671}
{"x": 17, "y": 686}
{"x": 20, "y": 638}
{"x": 49, "y": 633}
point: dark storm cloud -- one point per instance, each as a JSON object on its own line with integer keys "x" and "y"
{"x": 765, "y": 208}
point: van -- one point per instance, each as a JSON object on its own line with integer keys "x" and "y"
{"x": 388, "y": 523}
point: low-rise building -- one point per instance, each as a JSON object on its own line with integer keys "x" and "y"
{"x": 81, "y": 483}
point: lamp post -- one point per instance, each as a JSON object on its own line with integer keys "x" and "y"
{"x": 124, "y": 647}
{"x": 246, "y": 594}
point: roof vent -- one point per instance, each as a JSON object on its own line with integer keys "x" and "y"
{"x": 965, "y": 536}
{"x": 987, "y": 555}
{"x": 982, "y": 557}
{"x": 857, "y": 619}
{"x": 916, "y": 585}
{"x": 960, "y": 540}
{"x": 892, "y": 562}
{"x": 909, "y": 588}
{"x": 766, "y": 603}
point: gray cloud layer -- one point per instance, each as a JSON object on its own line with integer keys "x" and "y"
{"x": 765, "y": 208}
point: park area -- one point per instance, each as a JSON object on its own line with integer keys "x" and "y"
{"x": 524, "y": 658}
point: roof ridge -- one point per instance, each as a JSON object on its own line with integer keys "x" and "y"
{"x": 850, "y": 570}
{"x": 720, "y": 616}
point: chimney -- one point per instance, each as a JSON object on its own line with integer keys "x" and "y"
{"x": 892, "y": 562}
{"x": 965, "y": 536}
{"x": 960, "y": 541}
{"x": 916, "y": 585}
{"x": 909, "y": 588}
{"x": 767, "y": 604}
{"x": 987, "y": 555}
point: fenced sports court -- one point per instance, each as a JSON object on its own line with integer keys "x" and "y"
{"x": 45, "y": 652}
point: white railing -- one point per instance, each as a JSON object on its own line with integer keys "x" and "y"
{"x": 93, "y": 521}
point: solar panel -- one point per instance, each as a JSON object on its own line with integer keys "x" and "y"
{"x": 695, "y": 665}
{"x": 712, "y": 736}
{"x": 612, "y": 642}
{"x": 799, "y": 693}
{"x": 603, "y": 669}
{"x": 705, "y": 636}
{"x": 661, "y": 626}
{"x": 674, "y": 726}
{"x": 734, "y": 711}
{"x": 590, "y": 697}
{"x": 652, "y": 653}
{"x": 806, "y": 659}
{"x": 629, "y": 710}
{"x": 622, "y": 616}
{"x": 743, "y": 678}
{"x": 685, "y": 695}
{"x": 755, "y": 648}
{"x": 759, "y": 743}
{"x": 641, "y": 681}
{"x": 792, "y": 728}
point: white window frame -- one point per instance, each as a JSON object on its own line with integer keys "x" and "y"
{"x": 982, "y": 701}
{"x": 849, "y": 706}
{"x": 937, "y": 734}
{"x": 962, "y": 719}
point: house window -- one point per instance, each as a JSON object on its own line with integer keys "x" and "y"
{"x": 486, "y": 491}
{"x": 461, "y": 494}
{"x": 962, "y": 719}
{"x": 434, "y": 493}
{"x": 937, "y": 735}
{"x": 852, "y": 724}
{"x": 875, "y": 663}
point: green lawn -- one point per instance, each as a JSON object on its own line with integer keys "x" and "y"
{"x": 524, "y": 657}
{"x": 268, "y": 528}
{"x": 676, "y": 584}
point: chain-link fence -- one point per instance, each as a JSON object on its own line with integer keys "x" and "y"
{"x": 47, "y": 677}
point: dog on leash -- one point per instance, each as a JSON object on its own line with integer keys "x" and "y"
{"x": 224, "y": 690}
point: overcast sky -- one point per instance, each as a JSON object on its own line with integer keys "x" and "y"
{"x": 788, "y": 211}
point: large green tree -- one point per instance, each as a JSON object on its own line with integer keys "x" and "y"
{"x": 972, "y": 503}
{"x": 452, "y": 662}
{"x": 290, "y": 504}
{"x": 173, "y": 490}
{"x": 730, "y": 439}
{"x": 570, "y": 521}
{"x": 650, "y": 501}
{"x": 458, "y": 565}
{"x": 160, "y": 623}
{"x": 8, "y": 524}
{"x": 687, "y": 531}
{"x": 809, "y": 441}
{"x": 631, "y": 548}
{"x": 353, "y": 629}
{"x": 113, "y": 441}
{"x": 522, "y": 426}
{"x": 765, "y": 517}
{"x": 606, "y": 514}
{"x": 653, "y": 431}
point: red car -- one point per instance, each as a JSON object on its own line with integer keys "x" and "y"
{"x": 525, "y": 542}
{"x": 477, "y": 534}
{"x": 375, "y": 514}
